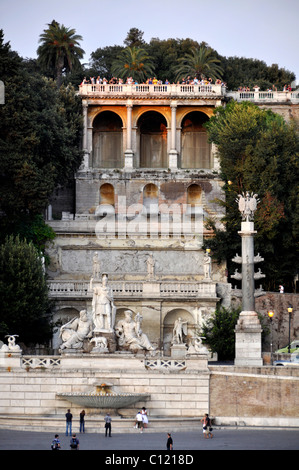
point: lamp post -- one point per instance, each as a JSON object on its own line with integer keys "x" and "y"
{"x": 270, "y": 315}
{"x": 290, "y": 310}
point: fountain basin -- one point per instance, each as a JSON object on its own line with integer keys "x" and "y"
{"x": 98, "y": 400}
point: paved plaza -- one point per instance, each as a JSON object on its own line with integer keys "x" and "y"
{"x": 224, "y": 439}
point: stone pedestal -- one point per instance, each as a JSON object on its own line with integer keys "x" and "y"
{"x": 178, "y": 351}
{"x": 248, "y": 346}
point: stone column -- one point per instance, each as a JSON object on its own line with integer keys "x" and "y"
{"x": 173, "y": 154}
{"x": 129, "y": 152}
{"x": 248, "y": 346}
{"x": 85, "y": 162}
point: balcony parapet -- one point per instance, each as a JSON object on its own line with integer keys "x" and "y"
{"x": 135, "y": 289}
{"x": 184, "y": 91}
{"x": 265, "y": 96}
{"x": 144, "y": 91}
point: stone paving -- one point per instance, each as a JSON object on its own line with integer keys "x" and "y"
{"x": 224, "y": 439}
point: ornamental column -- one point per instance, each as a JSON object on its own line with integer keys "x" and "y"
{"x": 129, "y": 152}
{"x": 173, "y": 154}
{"x": 85, "y": 161}
{"x": 248, "y": 345}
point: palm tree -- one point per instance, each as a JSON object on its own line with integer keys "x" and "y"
{"x": 133, "y": 62}
{"x": 59, "y": 51}
{"x": 200, "y": 62}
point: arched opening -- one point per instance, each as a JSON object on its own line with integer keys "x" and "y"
{"x": 107, "y": 194}
{"x": 107, "y": 141}
{"x": 107, "y": 201}
{"x": 151, "y": 199}
{"x": 168, "y": 326}
{"x": 153, "y": 140}
{"x": 194, "y": 199}
{"x": 196, "y": 150}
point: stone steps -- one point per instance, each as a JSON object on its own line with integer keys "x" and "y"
{"x": 95, "y": 424}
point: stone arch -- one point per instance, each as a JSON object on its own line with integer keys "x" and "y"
{"x": 151, "y": 198}
{"x": 106, "y": 200}
{"x": 152, "y": 136}
{"x": 168, "y": 324}
{"x": 194, "y": 199}
{"x": 195, "y": 148}
{"x": 107, "y": 137}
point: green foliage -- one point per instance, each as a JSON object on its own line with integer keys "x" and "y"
{"x": 200, "y": 63}
{"x": 133, "y": 62}
{"x": 59, "y": 51}
{"x": 24, "y": 303}
{"x": 258, "y": 152}
{"x": 40, "y": 130}
{"x": 219, "y": 332}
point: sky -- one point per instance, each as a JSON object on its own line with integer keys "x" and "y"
{"x": 259, "y": 29}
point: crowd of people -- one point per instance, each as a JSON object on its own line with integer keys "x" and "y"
{"x": 256, "y": 88}
{"x": 185, "y": 81}
{"x": 150, "y": 81}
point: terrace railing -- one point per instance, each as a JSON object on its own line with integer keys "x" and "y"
{"x": 151, "y": 90}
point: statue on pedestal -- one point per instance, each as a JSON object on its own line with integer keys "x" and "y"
{"x": 103, "y": 309}
{"x": 130, "y": 335}
{"x": 179, "y": 330}
{"x": 75, "y": 331}
{"x": 207, "y": 265}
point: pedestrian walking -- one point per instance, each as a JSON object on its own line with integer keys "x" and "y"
{"x": 169, "y": 443}
{"x": 82, "y": 421}
{"x": 55, "y": 443}
{"x": 74, "y": 443}
{"x": 108, "y": 424}
{"x": 68, "y": 417}
{"x": 207, "y": 426}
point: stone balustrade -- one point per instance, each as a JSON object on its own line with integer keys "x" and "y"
{"x": 150, "y": 90}
{"x": 182, "y": 90}
{"x": 265, "y": 96}
{"x": 121, "y": 289}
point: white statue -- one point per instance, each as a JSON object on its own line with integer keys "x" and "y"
{"x": 179, "y": 330}
{"x": 197, "y": 347}
{"x": 103, "y": 309}
{"x": 101, "y": 344}
{"x": 96, "y": 266}
{"x": 11, "y": 346}
{"x": 75, "y": 331}
{"x": 150, "y": 266}
{"x": 247, "y": 205}
{"x": 130, "y": 335}
{"x": 207, "y": 265}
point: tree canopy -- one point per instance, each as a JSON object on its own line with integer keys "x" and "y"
{"x": 59, "y": 50}
{"x": 24, "y": 303}
{"x": 40, "y": 130}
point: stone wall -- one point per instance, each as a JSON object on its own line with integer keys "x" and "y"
{"x": 257, "y": 396}
{"x": 254, "y": 395}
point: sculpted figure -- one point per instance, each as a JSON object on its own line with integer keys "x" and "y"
{"x": 103, "y": 309}
{"x": 130, "y": 335}
{"x": 11, "y": 346}
{"x": 75, "y": 331}
{"x": 179, "y": 329}
{"x": 96, "y": 266}
{"x": 207, "y": 265}
{"x": 247, "y": 205}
